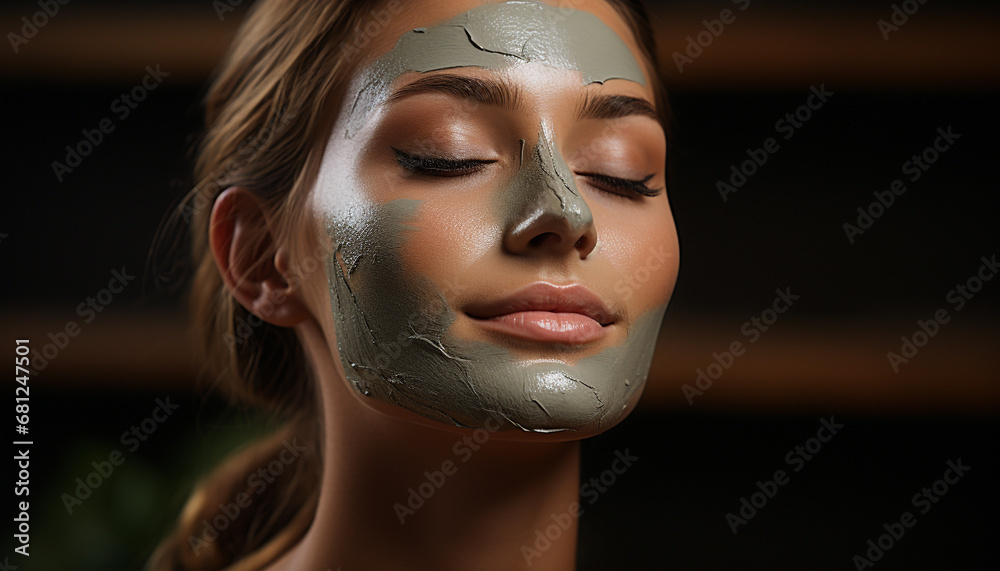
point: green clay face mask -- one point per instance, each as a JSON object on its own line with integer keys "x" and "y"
{"x": 394, "y": 326}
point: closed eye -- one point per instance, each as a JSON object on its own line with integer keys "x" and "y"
{"x": 446, "y": 167}
{"x": 622, "y": 186}
{"x": 438, "y": 166}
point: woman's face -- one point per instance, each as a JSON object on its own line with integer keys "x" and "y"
{"x": 494, "y": 193}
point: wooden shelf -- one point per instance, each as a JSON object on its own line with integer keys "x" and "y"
{"x": 764, "y": 47}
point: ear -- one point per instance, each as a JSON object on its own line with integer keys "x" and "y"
{"x": 252, "y": 267}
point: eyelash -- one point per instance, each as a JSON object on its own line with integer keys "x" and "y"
{"x": 434, "y": 166}
{"x": 623, "y": 186}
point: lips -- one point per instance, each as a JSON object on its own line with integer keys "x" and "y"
{"x": 547, "y": 313}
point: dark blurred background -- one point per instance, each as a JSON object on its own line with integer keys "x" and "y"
{"x": 61, "y": 242}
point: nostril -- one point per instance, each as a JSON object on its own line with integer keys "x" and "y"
{"x": 585, "y": 245}
{"x": 540, "y": 239}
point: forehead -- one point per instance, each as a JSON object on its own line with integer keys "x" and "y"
{"x": 502, "y": 34}
{"x": 422, "y": 36}
{"x": 398, "y": 17}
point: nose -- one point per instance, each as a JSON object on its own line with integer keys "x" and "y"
{"x": 544, "y": 213}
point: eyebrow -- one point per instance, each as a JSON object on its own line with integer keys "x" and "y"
{"x": 615, "y": 106}
{"x": 501, "y": 93}
{"x": 496, "y": 93}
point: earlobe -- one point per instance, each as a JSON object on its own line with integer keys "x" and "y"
{"x": 250, "y": 262}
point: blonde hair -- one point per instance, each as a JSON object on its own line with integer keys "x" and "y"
{"x": 268, "y": 114}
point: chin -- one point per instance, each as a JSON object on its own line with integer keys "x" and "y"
{"x": 566, "y": 422}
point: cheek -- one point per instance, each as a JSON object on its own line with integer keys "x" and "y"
{"x": 643, "y": 249}
{"x": 450, "y": 234}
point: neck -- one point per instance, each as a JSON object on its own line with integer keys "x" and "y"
{"x": 400, "y": 495}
